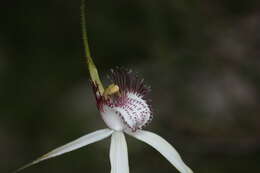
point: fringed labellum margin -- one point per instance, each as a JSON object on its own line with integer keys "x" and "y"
{"x": 124, "y": 104}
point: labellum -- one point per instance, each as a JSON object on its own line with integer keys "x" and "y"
{"x": 124, "y": 104}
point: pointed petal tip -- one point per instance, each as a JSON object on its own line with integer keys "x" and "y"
{"x": 27, "y": 165}
{"x": 163, "y": 147}
{"x": 76, "y": 144}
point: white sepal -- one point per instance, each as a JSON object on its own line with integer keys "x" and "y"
{"x": 118, "y": 153}
{"x": 78, "y": 143}
{"x": 163, "y": 147}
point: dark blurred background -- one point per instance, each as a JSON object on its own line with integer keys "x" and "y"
{"x": 200, "y": 57}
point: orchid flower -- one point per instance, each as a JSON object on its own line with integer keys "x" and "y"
{"x": 124, "y": 107}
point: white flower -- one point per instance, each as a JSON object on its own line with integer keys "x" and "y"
{"x": 125, "y": 109}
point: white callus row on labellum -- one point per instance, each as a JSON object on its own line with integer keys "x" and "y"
{"x": 124, "y": 107}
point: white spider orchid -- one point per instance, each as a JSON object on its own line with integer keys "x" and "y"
{"x": 124, "y": 107}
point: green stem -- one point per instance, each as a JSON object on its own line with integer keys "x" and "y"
{"x": 91, "y": 66}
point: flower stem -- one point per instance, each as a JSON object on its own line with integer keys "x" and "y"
{"x": 91, "y": 66}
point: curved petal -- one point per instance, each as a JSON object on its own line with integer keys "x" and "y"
{"x": 118, "y": 153}
{"x": 163, "y": 147}
{"x": 78, "y": 143}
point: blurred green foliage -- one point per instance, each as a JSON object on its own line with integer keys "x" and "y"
{"x": 200, "y": 57}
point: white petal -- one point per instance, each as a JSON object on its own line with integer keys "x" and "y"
{"x": 118, "y": 153}
{"x": 163, "y": 147}
{"x": 78, "y": 143}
